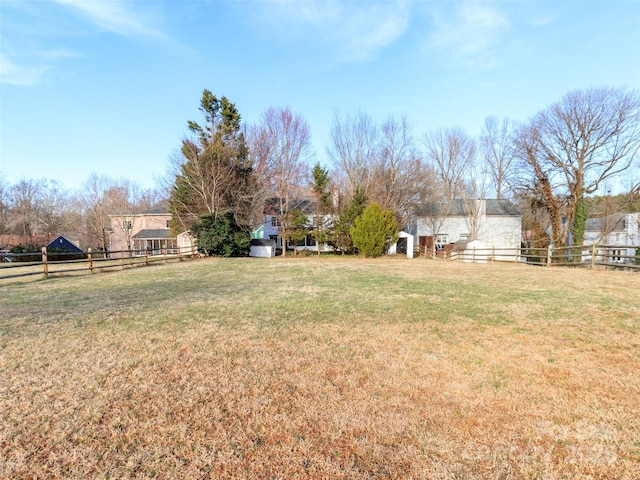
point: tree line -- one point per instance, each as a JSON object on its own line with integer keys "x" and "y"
{"x": 558, "y": 167}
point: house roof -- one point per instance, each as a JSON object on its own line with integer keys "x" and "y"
{"x": 63, "y": 243}
{"x": 161, "y": 208}
{"x": 153, "y": 234}
{"x": 502, "y": 207}
{"x": 610, "y": 223}
{"x": 305, "y": 205}
{"x": 437, "y": 209}
{"x": 459, "y": 208}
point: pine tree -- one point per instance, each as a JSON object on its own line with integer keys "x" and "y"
{"x": 320, "y": 223}
{"x": 374, "y": 231}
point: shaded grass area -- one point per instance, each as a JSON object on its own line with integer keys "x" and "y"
{"x": 322, "y": 368}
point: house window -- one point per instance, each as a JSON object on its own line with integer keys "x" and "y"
{"x": 441, "y": 241}
{"x": 508, "y": 240}
{"x": 167, "y": 223}
{"x": 126, "y": 225}
{"x": 275, "y": 222}
{"x": 465, "y": 236}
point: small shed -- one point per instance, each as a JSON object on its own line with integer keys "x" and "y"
{"x": 262, "y": 247}
{"x": 471, "y": 251}
{"x": 63, "y": 244}
{"x": 404, "y": 245}
{"x": 186, "y": 243}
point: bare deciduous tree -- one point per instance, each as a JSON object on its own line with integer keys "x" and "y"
{"x": 451, "y": 152}
{"x": 401, "y": 179}
{"x": 498, "y": 151}
{"x": 572, "y": 147}
{"x": 284, "y": 143}
{"x": 353, "y": 150}
{"x": 452, "y": 155}
{"x": 53, "y": 212}
{"x": 98, "y": 198}
{"x": 4, "y": 207}
{"x": 23, "y": 205}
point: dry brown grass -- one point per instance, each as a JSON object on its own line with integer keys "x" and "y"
{"x": 333, "y": 368}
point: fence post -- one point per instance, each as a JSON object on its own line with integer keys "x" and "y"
{"x": 549, "y": 256}
{"x": 90, "y": 257}
{"x": 45, "y": 266}
{"x": 594, "y": 252}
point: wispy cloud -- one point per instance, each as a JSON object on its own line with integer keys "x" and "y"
{"x": 20, "y": 73}
{"x": 28, "y": 68}
{"x": 471, "y": 34}
{"x": 34, "y": 40}
{"x": 373, "y": 29}
{"x": 356, "y": 31}
{"x": 117, "y": 16}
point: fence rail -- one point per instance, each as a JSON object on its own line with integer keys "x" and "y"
{"x": 47, "y": 264}
{"x": 589, "y": 256}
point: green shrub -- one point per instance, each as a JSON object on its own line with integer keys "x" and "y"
{"x": 374, "y": 231}
{"x": 221, "y": 236}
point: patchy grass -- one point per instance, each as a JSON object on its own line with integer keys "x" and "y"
{"x": 322, "y": 368}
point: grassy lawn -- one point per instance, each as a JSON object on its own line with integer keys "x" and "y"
{"x": 322, "y": 368}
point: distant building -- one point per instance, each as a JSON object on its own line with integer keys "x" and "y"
{"x": 271, "y": 226}
{"x": 495, "y": 223}
{"x": 619, "y": 232}
{"x": 63, "y": 244}
{"x": 142, "y": 233}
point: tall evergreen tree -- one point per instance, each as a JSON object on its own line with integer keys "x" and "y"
{"x": 342, "y": 227}
{"x": 216, "y": 176}
{"x": 323, "y": 207}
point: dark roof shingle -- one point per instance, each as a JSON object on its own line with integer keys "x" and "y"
{"x": 154, "y": 234}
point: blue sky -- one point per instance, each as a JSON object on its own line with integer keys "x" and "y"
{"x": 108, "y": 87}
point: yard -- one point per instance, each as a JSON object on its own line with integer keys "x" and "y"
{"x": 322, "y": 368}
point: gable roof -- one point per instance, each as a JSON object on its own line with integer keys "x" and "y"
{"x": 459, "y": 208}
{"x": 305, "y": 205}
{"x": 63, "y": 243}
{"x": 456, "y": 208}
{"x": 616, "y": 222}
{"x": 154, "y": 234}
{"x": 161, "y": 208}
{"x": 502, "y": 207}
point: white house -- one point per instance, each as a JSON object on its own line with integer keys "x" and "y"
{"x": 270, "y": 228}
{"x": 495, "y": 223}
{"x": 619, "y": 233}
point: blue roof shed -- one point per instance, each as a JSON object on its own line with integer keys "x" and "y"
{"x": 63, "y": 244}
